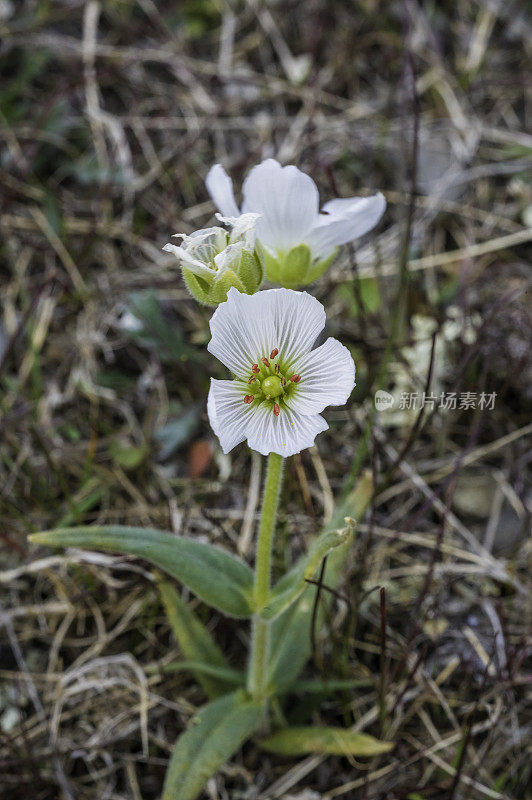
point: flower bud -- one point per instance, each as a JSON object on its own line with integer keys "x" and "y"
{"x": 213, "y": 260}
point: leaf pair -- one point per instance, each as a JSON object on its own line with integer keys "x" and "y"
{"x": 223, "y": 725}
{"x": 215, "y": 576}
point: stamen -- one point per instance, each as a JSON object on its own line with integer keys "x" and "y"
{"x": 249, "y": 398}
{"x": 295, "y": 378}
{"x": 265, "y": 362}
{"x": 255, "y": 369}
{"x": 276, "y": 369}
{"x": 274, "y": 352}
{"x": 276, "y": 409}
{"x": 252, "y": 379}
{"x": 283, "y": 381}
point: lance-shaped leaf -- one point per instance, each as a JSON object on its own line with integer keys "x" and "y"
{"x": 195, "y": 641}
{"x": 294, "y": 583}
{"x": 316, "y": 739}
{"x": 290, "y": 642}
{"x": 227, "y": 675}
{"x": 214, "y": 736}
{"x": 218, "y": 578}
{"x": 290, "y": 639}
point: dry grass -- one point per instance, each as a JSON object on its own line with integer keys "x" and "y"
{"x": 110, "y": 116}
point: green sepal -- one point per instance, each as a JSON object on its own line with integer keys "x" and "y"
{"x": 272, "y": 265}
{"x": 320, "y": 267}
{"x": 294, "y": 583}
{"x": 295, "y": 266}
{"x": 217, "y": 577}
{"x": 195, "y": 641}
{"x": 222, "y": 283}
{"x": 214, "y": 736}
{"x": 250, "y": 271}
{"x": 246, "y": 281}
{"x": 198, "y": 288}
{"x": 321, "y": 739}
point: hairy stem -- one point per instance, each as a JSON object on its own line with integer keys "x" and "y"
{"x": 260, "y": 636}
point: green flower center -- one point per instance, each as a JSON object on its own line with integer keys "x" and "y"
{"x": 271, "y": 386}
{"x": 271, "y": 383}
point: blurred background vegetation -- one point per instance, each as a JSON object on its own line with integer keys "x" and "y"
{"x": 111, "y": 114}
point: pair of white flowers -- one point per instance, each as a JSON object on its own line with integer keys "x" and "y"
{"x": 279, "y": 230}
{"x": 280, "y": 383}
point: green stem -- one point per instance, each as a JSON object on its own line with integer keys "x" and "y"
{"x": 260, "y": 635}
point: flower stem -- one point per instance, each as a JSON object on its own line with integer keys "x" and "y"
{"x": 260, "y": 636}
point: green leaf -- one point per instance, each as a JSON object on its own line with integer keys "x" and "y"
{"x": 316, "y": 739}
{"x": 223, "y": 674}
{"x": 214, "y": 736}
{"x": 293, "y": 584}
{"x": 290, "y": 642}
{"x": 193, "y": 638}
{"x": 218, "y": 578}
{"x": 326, "y": 687}
{"x": 290, "y": 639}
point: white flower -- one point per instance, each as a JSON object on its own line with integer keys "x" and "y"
{"x": 281, "y": 384}
{"x": 212, "y": 260}
{"x": 298, "y": 240}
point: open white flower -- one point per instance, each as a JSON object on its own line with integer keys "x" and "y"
{"x": 281, "y": 384}
{"x": 299, "y": 241}
{"x": 213, "y": 260}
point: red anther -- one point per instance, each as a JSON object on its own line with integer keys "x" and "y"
{"x": 276, "y": 369}
{"x": 265, "y": 362}
{"x": 249, "y": 398}
{"x": 283, "y": 381}
{"x": 252, "y": 379}
{"x": 295, "y": 378}
{"x": 274, "y": 352}
{"x": 255, "y": 369}
{"x": 276, "y": 409}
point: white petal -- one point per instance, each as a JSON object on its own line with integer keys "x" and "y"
{"x": 348, "y": 218}
{"x": 230, "y": 256}
{"x": 327, "y": 378}
{"x": 287, "y": 201}
{"x": 244, "y": 227}
{"x": 247, "y": 327}
{"x": 287, "y": 434}
{"x": 220, "y": 187}
{"x": 188, "y": 261}
{"x": 227, "y": 412}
